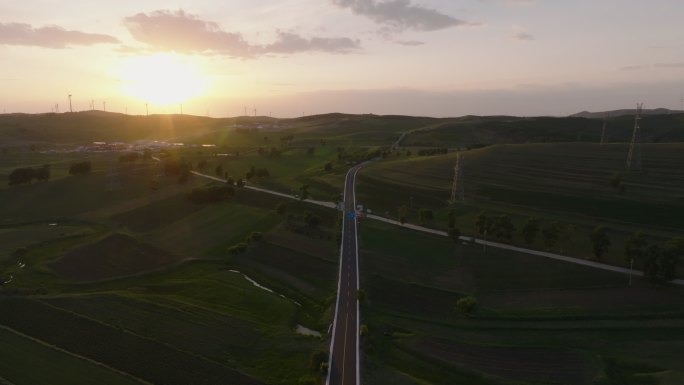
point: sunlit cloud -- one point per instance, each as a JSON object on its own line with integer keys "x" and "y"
{"x": 400, "y": 15}
{"x": 49, "y": 36}
{"x": 181, "y": 32}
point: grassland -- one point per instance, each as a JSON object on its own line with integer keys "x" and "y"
{"x": 539, "y": 321}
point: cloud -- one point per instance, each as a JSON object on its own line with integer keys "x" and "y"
{"x": 649, "y": 66}
{"x": 523, "y": 36}
{"x": 399, "y": 15}
{"x": 289, "y": 42}
{"x": 411, "y": 43}
{"x": 633, "y": 67}
{"x": 51, "y": 36}
{"x": 183, "y": 32}
{"x": 669, "y": 65}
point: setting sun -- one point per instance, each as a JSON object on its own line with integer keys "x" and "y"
{"x": 161, "y": 79}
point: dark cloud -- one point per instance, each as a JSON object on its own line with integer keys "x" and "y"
{"x": 49, "y": 37}
{"x": 523, "y": 36}
{"x": 182, "y": 32}
{"x": 401, "y": 14}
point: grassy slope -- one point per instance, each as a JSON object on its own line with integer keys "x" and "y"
{"x": 410, "y": 307}
{"x": 473, "y": 130}
{"x": 565, "y": 182}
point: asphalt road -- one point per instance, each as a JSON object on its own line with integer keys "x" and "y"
{"x": 343, "y": 363}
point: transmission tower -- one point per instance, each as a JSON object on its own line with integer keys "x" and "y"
{"x": 634, "y": 156}
{"x": 70, "y": 109}
{"x": 603, "y": 131}
{"x": 457, "y": 194}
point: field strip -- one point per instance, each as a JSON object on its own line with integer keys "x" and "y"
{"x": 73, "y": 355}
{"x": 577, "y": 261}
{"x": 558, "y": 257}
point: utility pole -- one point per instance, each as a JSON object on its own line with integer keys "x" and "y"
{"x": 104, "y": 106}
{"x": 147, "y": 110}
{"x": 70, "y": 108}
{"x": 181, "y": 108}
{"x": 631, "y": 266}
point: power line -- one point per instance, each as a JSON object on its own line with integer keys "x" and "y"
{"x": 457, "y": 194}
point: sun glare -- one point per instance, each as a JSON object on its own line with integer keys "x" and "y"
{"x": 162, "y": 79}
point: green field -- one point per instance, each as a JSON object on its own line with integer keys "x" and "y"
{"x": 539, "y": 320}
{"x": 21, "y": 356}
{"x": 569, "y": 183}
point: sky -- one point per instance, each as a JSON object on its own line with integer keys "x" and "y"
{"x": 288, "y": 58}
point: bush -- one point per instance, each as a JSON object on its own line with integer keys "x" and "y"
{"x": 80, "y": 168}
{"x": 255, "y": 236}
{"x": 466, "y": 305}
{"x": 238, "y": 248}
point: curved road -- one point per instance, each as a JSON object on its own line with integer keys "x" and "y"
{"x": 343, "y": 362}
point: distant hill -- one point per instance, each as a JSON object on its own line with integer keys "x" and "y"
{"x": 616, "y": 113}
{"x": 660, "y": 125}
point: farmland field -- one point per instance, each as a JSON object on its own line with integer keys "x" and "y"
{"x": 158, "y": 288}
{"x": 521, "y": 331}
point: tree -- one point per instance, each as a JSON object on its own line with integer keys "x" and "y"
{"x": 454, "y": 233}
{"x": 255, "y": 236}
{"x": 503, "y": 228}
{"x": 80, "y": 168}
{"x": 635, "y": 247}
{"x": 328, "y": 167}
{"x": 452, "y": 219}
{"x": 310, "y": 151}
{"x": 317, "y": 359}
{"x": 550, "y": 234}
{"x": 599, "y": 241}
{"x": 202, "y": 165}
{"x": 403, "y": 212}
{"x": 237, "y": 248}
{"x": 482, "y": 222}
{"x": 530, "y": 230}
{"x": 304, "y": 192}
{"x": 660, "y": 264}
{"x": 426, "y": 215}
{"x": 565, "y": 233}
{"x": 466, "y": 305}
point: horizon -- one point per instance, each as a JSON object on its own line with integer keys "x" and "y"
{"x": 430, "y": 58}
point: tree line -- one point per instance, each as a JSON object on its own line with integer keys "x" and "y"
{"x": 25, "y": 175}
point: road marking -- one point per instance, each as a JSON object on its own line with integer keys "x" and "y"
{"x": 344, "y": 349}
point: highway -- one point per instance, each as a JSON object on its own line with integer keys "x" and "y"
{"x": 343, "y": 364}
